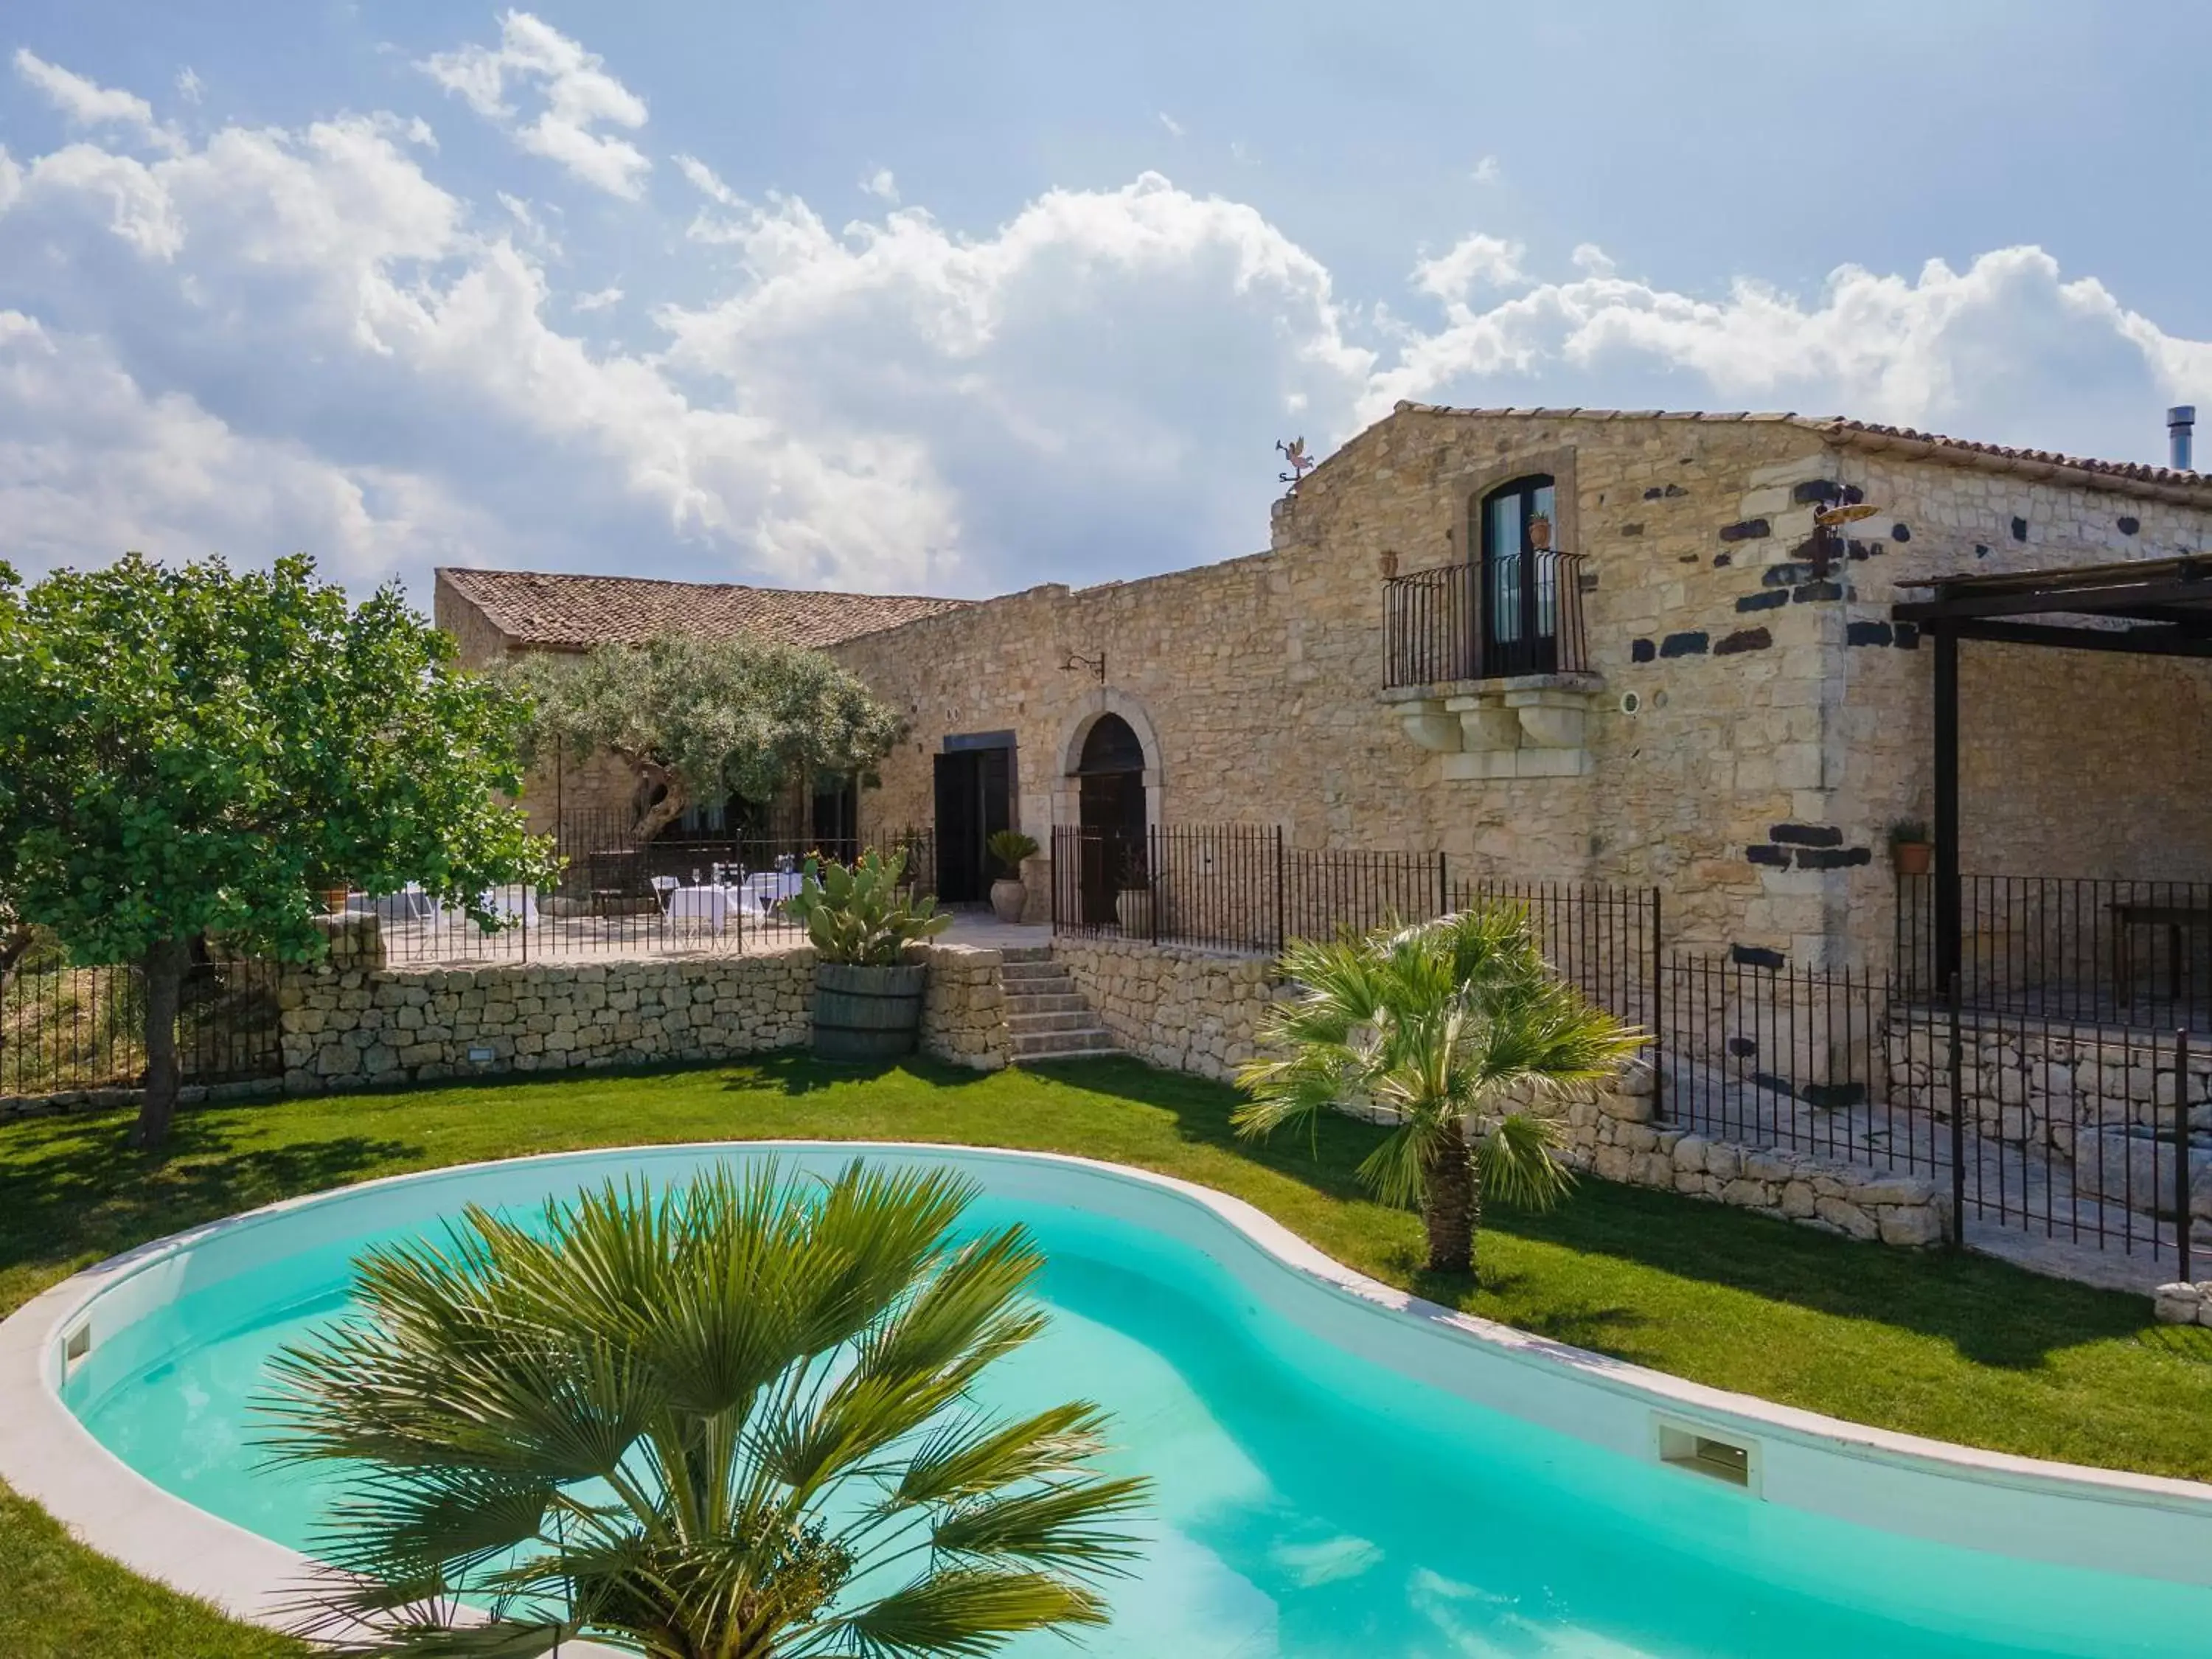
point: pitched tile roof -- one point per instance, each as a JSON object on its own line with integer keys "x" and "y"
{"x": 2131, "y": 477}
{"x": 566, "y": 612}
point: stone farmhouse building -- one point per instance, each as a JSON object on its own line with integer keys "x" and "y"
{"x": 1628, "y": 647}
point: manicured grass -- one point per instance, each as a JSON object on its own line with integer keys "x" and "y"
{"x": 1958, "y": 1347}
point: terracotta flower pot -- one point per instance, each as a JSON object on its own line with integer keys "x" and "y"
{"x": 1008, "y": 900}
{"x": 1914, "y": 858}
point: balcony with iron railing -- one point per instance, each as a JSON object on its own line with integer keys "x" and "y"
{"x": 1487, "y": 664}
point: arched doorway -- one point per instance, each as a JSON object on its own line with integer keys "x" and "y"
{"x": 1110, "y": 808}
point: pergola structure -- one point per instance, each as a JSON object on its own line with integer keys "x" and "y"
{"x": 2145, "y": 607}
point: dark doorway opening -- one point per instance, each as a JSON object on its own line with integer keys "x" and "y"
{"x": 1520, "y": 578}
{"x": 975, "y": 801}
{"x": 1110, "y": 798}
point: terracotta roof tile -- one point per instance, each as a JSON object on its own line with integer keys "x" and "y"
{"x": 568, "y": 612}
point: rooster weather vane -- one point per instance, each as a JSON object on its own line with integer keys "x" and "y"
{"x": 1301, "y": 463}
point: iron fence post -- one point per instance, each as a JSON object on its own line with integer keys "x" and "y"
{"x": 2181, "y": 1182}
{"x": 1958, "y": 1080}
{"x": 1153, "y": 875}
{"x": 1443, "y": 885}
{"x": 1658, "y": 1015}
{"x": 1278, "y": 889}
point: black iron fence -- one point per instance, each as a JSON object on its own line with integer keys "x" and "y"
{"x": 1439, "y": 625}
{"x": 1245, "y": 888}
{"x": 2037, "y": 1111}
{"x": 618, "y": 894}
{"x": 2126, "y": 953}
{"x": 66, "y": 1028}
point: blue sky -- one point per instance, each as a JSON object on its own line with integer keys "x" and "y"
{"x": 964, "y": 298}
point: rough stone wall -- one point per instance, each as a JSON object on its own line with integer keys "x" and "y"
{"x": 350, "y": 1021}
{"x": 1193, "y": 1010}
{"x": 2101, "y": 1103}
{"x": 1784, "y": 720}
{"x": 2182, "y": 1304}
{"x": 1185, "y": 1009}
{"x": 964, "y": 1015}
{"x": 347, "y": 1025}
{"x": 2071, "y": 764}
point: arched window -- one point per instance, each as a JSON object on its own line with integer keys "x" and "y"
{"x": 1519, "y": 578}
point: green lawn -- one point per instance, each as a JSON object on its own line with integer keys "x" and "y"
{"x": 1962, "y": 1348}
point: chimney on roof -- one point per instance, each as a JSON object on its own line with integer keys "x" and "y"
{"x": 2180, "y": 426}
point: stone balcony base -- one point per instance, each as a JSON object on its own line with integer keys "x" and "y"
{"x": 1530, "y": 726}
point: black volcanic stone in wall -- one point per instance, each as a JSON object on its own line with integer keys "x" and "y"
{"x": 1900, "y": 532}
{"x": 1744, "y": 639}
{"x": 1754, "y": 956}
{"x": 1684, "y": 645}
{"x": 1867, "y": 632}
{"x": 1833, "y": 857}
{"x": 1866, "y": 549}
{"x": 1784, "y": 575}
{"x": 2019, "y": 530}
{"x": 2128, "y": 526}
{"x": 1675, "y": 489}
{"x": 1812, "y": 592}
{"x": 1723, "y": 561}
{"x": 1817, "y": 489}
{"x": 1763, "y": 601}
{"x": 1775, "y": 857}
{"x": 1642, "y": 651}
{"x": 1653, "y": 493}
{"x": 1833, "y": 1096}
{"x": 1808, "y": 834}
{"x": 1748, "y": 530}
{"x": 1908, "y": 636}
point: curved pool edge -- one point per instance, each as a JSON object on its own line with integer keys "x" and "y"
{"x": 2156, "y": 1526}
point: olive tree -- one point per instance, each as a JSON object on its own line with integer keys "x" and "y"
{"x": 701, "y": 719}
{"x": 192, "y": 750}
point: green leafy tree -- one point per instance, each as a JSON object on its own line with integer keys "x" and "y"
{"x": 1434, "y": 1024}
{"x": 192, "y": 750}
{"x": 733, "y": 1420}
{"x": 701, "y": 719}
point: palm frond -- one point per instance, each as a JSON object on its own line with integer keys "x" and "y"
{"x": 961, "y": 1612}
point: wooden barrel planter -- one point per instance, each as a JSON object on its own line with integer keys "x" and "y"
{"x": 866, "y": 1013}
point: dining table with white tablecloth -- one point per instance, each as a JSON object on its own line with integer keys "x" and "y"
{"x": 711, "y": 904}
{"x": 766, "y": 888}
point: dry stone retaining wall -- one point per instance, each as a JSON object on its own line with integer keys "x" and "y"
{"x": 350, "y": 1021}
{"x": 1199, "y": 1012}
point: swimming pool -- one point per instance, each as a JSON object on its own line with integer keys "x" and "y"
{"x": 1339, "y": 1471}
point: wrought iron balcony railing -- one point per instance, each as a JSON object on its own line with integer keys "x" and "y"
{"x": 1518, "y": 615}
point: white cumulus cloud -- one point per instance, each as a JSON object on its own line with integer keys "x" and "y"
{"x": 578, "y": 95}
{"x": 87, "y": 103}
{"x": 273, "y": 339}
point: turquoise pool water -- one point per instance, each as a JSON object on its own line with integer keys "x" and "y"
{"x": 1311, "y": 1504}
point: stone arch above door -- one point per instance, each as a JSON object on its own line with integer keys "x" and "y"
{"x": 1066, "y": 789}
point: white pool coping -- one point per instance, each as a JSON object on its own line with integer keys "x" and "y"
{"x": 2063, "y": 1514}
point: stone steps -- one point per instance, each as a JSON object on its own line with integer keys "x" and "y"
{"x": 1047, "y": 1018}
{"x": 1052, "y": 1002}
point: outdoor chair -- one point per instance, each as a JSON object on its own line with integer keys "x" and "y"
{"x": 663, "y": 886}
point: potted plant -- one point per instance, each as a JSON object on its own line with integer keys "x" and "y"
{"x": 1008, "y": 894}
{"x": 867, "y": 999}
{"x": 1540, "y": 530}
{"x": 1911, "y": 847}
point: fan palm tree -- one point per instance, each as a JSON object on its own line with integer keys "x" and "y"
{"x": 1435, "y": 1024}
{"x": 729, "y": 1420}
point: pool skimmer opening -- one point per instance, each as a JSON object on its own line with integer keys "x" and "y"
{"x": 1699, "y": 1448}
